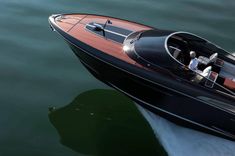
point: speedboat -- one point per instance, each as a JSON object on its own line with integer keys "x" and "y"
{"x": 150, "y": 66}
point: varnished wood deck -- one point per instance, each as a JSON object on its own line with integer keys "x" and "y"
{"x": 74, "y": 25}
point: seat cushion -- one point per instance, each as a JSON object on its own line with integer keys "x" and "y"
{"x": 203, "y": 60}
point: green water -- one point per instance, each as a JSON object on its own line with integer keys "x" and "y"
{"x": 38, "y": 70}
{"x": 108, "y": 124}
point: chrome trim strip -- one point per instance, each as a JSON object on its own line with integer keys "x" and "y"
{"x": 214, "y": 81}
{"x": 225, "y": 132}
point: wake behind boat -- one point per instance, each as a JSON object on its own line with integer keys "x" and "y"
{"x": 151, "y": 66}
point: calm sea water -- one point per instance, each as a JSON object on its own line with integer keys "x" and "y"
{"x": 38, "y": 70}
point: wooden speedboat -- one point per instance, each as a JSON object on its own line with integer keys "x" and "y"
{"x": 151, "y": 66}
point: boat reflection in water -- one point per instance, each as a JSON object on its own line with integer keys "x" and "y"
{"x": 104, "y": 122}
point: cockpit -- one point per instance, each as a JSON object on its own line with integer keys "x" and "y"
{"x": 212, "y": 71}
{"x": 170, "y": 51}
{"x": 180, "y": 44}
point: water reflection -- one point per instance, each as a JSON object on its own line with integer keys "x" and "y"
{"x": 104, "y": 122}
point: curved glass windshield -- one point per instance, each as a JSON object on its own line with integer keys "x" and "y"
{"x": 204, "y": 62}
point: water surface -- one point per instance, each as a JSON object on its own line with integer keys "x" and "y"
{"x": 38, "y": 70}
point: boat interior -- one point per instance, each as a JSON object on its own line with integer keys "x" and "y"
{"x": 213, "y": 70}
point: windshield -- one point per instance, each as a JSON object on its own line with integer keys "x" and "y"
{"x": 207, "y": 62}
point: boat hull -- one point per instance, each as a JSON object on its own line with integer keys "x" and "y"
{"x": 176, "y": 100}
{"x": 172, "y": 106}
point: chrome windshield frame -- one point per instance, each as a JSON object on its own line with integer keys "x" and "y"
{"x": 183, "y": 32}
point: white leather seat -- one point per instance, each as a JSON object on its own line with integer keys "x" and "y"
{"x": 213, "y": 57}
{"x": 206, "y": 71}
{"x": 205, "y": 60}
{"x": 176, "y": 53}
{"x": 201, "y": 74}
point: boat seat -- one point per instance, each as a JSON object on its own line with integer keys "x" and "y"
{"x": 204, "y": 60}
{"x": 176, "y": 53}
{"x": 202, "y": 74}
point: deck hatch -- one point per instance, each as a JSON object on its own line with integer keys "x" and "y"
{"x": 111, "y": 32}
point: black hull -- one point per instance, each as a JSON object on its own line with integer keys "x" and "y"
{"x": 177, "y": 108}
{"x": 159, "y": 91}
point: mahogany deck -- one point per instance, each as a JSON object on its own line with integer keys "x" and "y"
{"x": 229, "y": 84}
{"x": 74, "y": 25}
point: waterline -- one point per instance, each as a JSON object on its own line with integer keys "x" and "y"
{"x": 180, "y": 141}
